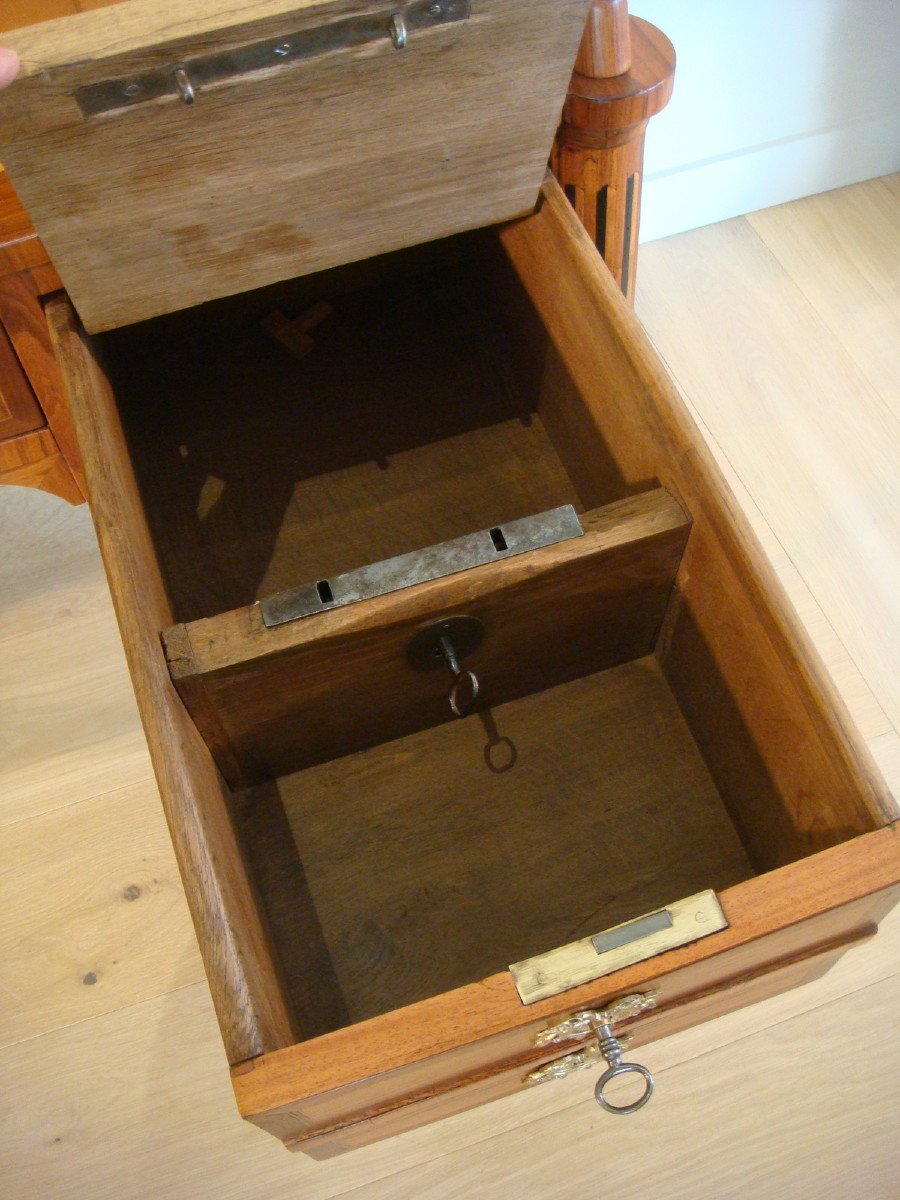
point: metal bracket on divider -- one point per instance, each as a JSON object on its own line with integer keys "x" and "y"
{"x": 421, "y": 566}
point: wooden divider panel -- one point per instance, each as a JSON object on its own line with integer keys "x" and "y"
{"x": 271, "y": 701}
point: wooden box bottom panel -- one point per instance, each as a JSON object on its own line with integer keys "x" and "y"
{"x": 437, "y": 860}
{"x": 658, "y": 724}
{"x": 272, "y": 700}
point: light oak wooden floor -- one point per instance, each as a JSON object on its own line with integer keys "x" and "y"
{"x": 782, "y": 329}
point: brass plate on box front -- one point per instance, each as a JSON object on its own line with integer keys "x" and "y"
{"x": 620, "y": 946}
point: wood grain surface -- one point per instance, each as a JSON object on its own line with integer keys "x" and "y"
{"x": 17, "y": 13}
{"x": 31, "y": 396}
{"x": 535, "y": 1161}
{"x": 441, "y": 858}
{"x": 598, "y": 152}
{"x": 20, "y": 246}
{"x": 305, "y": 1089}
{"x": 776, "y": 431}
{"x": 132, "y": 25}
{"x": 119, "y": 935}
{"x": 606, "y": 42}
{"x": 134, "y": 1101}
{"x": 437, "y": 860}
{"x": 793, "y": 971}
{"x": 33, "y": 460}
{"x": 271, "y": 701}
{"x": 284, "y": 171}
{"x": 21, "y": 313}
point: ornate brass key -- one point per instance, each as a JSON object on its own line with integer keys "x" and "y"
{"x": 608, "y": 1047}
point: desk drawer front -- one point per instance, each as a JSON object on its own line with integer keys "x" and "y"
{"x": 639, "y": 1035}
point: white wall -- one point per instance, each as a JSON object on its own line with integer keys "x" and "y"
{"x": 774, "y": 99}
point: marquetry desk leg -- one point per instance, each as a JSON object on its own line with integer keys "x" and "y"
{"x": 623, "y": 77}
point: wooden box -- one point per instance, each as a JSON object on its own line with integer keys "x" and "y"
{"x": 362, "y": 868}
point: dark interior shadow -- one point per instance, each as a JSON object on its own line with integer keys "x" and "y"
{"x": 545, "y": 386}
{"x": 500, "y": 753}
{"x": 268, "y": 843}
{"x": 224, "y": 423}
{"x": 764, "y": 823}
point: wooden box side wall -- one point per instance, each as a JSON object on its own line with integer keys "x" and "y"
{"x": 237, "y": 953}
{"x": 775, "y": 735}
{"x": 747, "y": 987}
{"x": 285, "y": 698}
{"x": 439, "y": 1046}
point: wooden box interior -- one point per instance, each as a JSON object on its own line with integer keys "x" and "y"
{"x": 435, "y": 403}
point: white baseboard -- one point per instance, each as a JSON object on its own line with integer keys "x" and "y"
{"x": 701, "y": 193}
{"x": 773, "y": 100}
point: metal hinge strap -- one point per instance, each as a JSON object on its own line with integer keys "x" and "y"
{"x": 184, "y": 80}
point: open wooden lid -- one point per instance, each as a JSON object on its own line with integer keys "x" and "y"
{"x": 174, "y": 151}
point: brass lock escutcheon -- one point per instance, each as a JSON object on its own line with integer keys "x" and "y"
{"x": 608, "y": 1047}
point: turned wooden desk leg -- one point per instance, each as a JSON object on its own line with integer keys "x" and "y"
{"x": 623, "y": 77}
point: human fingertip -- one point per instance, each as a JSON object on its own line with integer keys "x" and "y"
{"x": 9, "y": 66}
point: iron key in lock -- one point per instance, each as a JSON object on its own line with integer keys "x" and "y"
{"x": 460, "y": 702}
{"x": 445, "y": 642}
